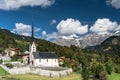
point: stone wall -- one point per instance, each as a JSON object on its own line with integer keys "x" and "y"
{"x": 13, "y": 63}
{"x": 5, "y": 58}
{"x": 50, "y": 73}
{"x": 17, "y": 70}
{"x": 38, "y": 71}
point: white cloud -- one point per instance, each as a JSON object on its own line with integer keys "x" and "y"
{"x": 16, "y": 4}
{"x": 44, "y": 33}
{"x": 24, "y": 29}
{"x": 53, "y": 21}
{"x": 1, "y": 27}
{"x": 70, "y": 36}
{"x": 50, "y": 36}
{"x": 104, "y": 25}
{"x": 68, "y": 29}
{"x": 55, "y": 35}
{"x": 37, "y": 29}
{"x": 71, "y": 26}
{"x": 114, "y": 3}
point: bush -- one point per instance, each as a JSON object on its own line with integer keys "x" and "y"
{"x": 103, "y": 75}
{"x": 14, "y": 57}
{"x": 1, "y": 61}
{"x": 85, "y": 73}
{"x": 117, "y": 68}
{"x": 109, "y": 67}
{"x": 66, "y": 63}
{"x": 9, "y": 65}
{"x": 97, "y": 69}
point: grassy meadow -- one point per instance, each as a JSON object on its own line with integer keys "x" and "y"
{"x": 114, "y": 76}
{"x": 72, "y": 76}
{"x": 3, "y": 72}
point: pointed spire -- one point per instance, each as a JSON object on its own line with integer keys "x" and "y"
{"x": 32, "y": 32}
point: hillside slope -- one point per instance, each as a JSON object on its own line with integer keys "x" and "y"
{"x": 110, "y": 45}
{"x": 8, "y": 39}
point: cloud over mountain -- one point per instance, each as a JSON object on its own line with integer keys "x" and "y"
{"x": 71, "y": 26}
{"x": 114, "y": 3}
{"x": 24, "y": 29}
{"x": 67, "y": 28}
{"x": 47, "y": 36}
{"x": 104, "y": 25}
{"x": 16, "y": 4}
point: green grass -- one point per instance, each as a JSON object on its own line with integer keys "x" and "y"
{"x": 114, "y": 76}
{"x": 3, "y": 72}
{"x": 72, "y": 76}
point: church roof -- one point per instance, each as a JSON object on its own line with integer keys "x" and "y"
{"x": 38, "y": 55}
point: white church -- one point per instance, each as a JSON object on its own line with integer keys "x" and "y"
{"x": 41, "y": 59}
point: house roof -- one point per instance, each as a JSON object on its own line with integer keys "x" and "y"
{"x": 23, "y": 55}
{"x": 38, "y": 55}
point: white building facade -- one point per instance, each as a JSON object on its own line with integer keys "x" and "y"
{"x": 42, "y": 59}
{"x": 46, "y": 62}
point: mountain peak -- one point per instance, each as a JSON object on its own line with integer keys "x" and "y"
{"x": 85, "y": 41}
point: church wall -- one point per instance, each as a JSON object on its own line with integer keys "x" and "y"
{"x": 46, "y": 62}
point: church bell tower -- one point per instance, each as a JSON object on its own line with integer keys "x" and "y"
{"x": 32, "y": 48}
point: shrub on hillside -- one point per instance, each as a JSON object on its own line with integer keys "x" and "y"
{"x": 1, "y": 61}
{"x": 85, "y": 73}
{"x": 66, "y": 63}
{"x": 117, "y": 68}
{"x": 9, "y": 65}
{"x": 109, "y": 67}
{"x": 14, "y": 57}
{"x": 97, "y": 68}
{"x": 103, "y": 75}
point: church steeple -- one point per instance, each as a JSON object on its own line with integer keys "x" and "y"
{"x": 32, "y": 47}
{"x": 32, "y": 36}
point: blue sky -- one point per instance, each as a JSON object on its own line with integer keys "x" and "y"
{"x": 57, "y": 18}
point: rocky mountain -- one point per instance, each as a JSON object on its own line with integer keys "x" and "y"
{"x": 86, "y": 41}
{"x": 66, "y": 42}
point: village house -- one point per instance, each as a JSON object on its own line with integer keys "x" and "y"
{"x": 12, "y": 51}
{"x": 25, "y": 58}
{"x": 61, "y": 60}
